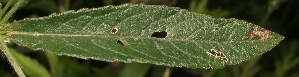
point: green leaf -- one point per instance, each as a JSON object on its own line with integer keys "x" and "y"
{"x": 146, "y": 34}
{"x": 31, "y": 67}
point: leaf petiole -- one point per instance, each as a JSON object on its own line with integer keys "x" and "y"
{"x": 3, "y": 45}
{"x": 10, "y": 58}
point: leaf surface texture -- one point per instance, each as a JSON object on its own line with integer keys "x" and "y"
{"x": 144, "y": 33}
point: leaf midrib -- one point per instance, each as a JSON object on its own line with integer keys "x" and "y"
{"x": 121, "y": 37}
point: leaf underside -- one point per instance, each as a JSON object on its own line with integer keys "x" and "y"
{"x": 143, "y": 33}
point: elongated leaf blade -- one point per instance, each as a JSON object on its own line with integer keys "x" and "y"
{"x": 147, "y": 34}
{"x": 30, "y": 66}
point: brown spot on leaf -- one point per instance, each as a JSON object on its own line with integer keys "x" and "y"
{"x": 263, "y": 35}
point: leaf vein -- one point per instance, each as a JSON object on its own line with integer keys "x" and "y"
{"x": 107, "y": 48}
{"x": 157, "y": 46}
{"x": 182, "y": 50}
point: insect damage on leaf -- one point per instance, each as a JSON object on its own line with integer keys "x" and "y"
{"x": 217, "y": 55}
{"x": 161, "y": 34}
{"x": 114, "y": 30}
{"x": 120, "y": 42}
{"x": 263, "y": 35}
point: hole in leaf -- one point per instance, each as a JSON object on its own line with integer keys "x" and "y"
{"x": 162, "y": 34}
{"x": 212, "y": 52}
{"x": 218, "y": 55}
{"x": 120, "y": 42}
{"x": 222, "y": 55}
{"x": 224, "y": 59}
{"x": 114, "y": 30}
